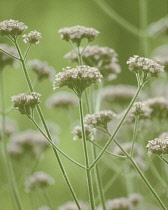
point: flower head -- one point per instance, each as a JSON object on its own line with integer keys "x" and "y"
{"x": 41, "y": 68}
{"x": 10, "y": 128}
{"x": 119, "y": 204}
{"x": 38, "y": 180}
{"x": 141, "y": 109}
{"x": 99, "y": 119}
{"x": 6, "y": 59}
{"x": 135, "y": 198}
{"x": 158, "y": 146}
{"x": 12, "y": 28}
{"x": 62, "y": 99}
{"x": 145, "y": 65}
{"x": 77, "y": 79}
{"x": 25, "y": 103}
{"x": 77, "y": 33}
{"x": 77, "y": 131}
{"x": 32, "y": 38}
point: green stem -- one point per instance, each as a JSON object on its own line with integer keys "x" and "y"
{"x": 118, "y": 19}
{"x": 7, "y": 159}
{"x": 118, "y": 127}
{"x": 99, "y": 182}
{"x": 116, "y": 156}
{"x": 46, "y": 129}
{"x": 88, "y": 171}
{"x": 47, "y": 197}
{"x": 141, "y": 175}
{"x": 143, "y": 13}
{"x": 9, "y": 54}
{"x": 161, "y": 157}
{"x": 53, "y": 145}
{"x": 134, "y": 135}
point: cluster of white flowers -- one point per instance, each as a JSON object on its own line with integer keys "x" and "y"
{"x": 62, "y": 99}
{"x": 29, "y": 141}
{"x": 100, "y": 119}
{"x": 77, "y": 79}
{"x": 12, "y": 28}
{"x": 161, "y": 53}
{"x": 140, "y": 110}
{"x": 38, "y": 180}
{"x": 77, "y": 33}
{"x": 25, "y": 103}
{"x": 159, "y": 27}
{"x": 32, "y": 38}
{"x": 137, "y": 63}
{"x": 104, "y": 58}
{"x": 6, "y": 59}
{"x": 71, "y": 205}
{"x": 77, "y": 131}
{"x": 163, "y": 135}
{"x": 158, "y": 146}
{"x": 41, "y": 68}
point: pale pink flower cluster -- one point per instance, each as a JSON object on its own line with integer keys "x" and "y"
{"x": 137, "y": 63}
{"x": 33, "y": 37}
{"x": 25, "y": 103}
{"x": 10, "y": 127}
{"x": 77, "y": 33}
{"x": 38, "y": 180}
{"x": 77, "y": 131}
{"x": 12, "y": 28}
{"x": 77, "y": 79}
{"x": 100, "y": 119}
{"x": 159, "y": 27}
{"x": 141, "y": 109}
{"x": 158, "y": 146}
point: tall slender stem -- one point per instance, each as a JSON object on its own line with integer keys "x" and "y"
{"x": 118, "y": 127}
{"x": 134, "y": 135}
{"x": 88, "y": 171}
{"x": 141, "y": 175}
{"x": 143, "y": 13}
{"x": 7, "y": 159}
{"x": 47, "y": 130}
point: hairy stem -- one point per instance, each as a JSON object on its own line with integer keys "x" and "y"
{"x": 7, "y": 159}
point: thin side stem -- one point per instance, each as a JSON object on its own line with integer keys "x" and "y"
{"x": 53, "y": 145}
{"x": 47, "y": 197}
{"x": 141, "y": 175}
{"x": 116, "y": 156}
{"x": 118, "y": 19}
{"x": 9, "y": 54}
{"x": 88, "y": 171}
{"x": 161, "y": 157}
{"x": 134, "y": 135}
{"x": 118, "y": 127}
{"x": 143, "y": 13}
{"x": 7, "y": 159}
{"x": 99, "y": 182}
{"x": 46, "y": 129}
{"x": 27, "y": 50}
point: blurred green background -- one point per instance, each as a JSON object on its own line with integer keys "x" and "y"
{"x": 47, "y": 17}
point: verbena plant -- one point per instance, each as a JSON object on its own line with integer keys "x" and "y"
{"x": 95, "y": 66}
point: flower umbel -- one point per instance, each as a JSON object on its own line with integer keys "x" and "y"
{"x": 77, "y": 79}
{"x": 77, "y": 131}
{"x": 12, "y": 28}
{"x": 144, "y": 67}
{"x": 158, "y": 146}
{"x": 77, "y": 33}
{"x": 32, "y": 38}
{"x": 25, "y": 103}
{"x": 99, "y": 119}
